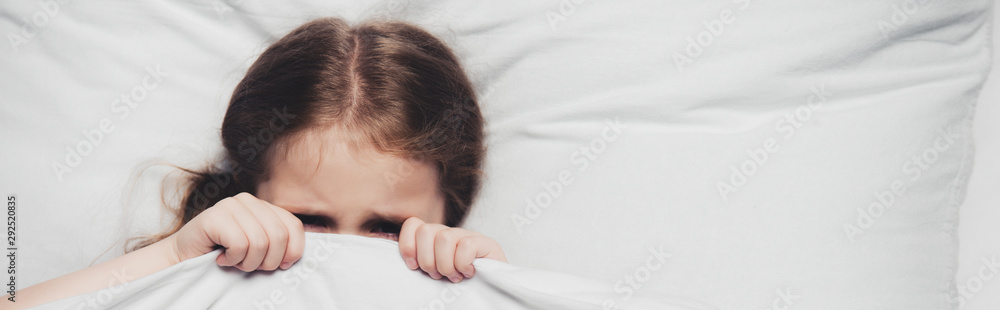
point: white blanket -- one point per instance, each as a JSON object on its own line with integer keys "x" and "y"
{"x": 350, "y": 272}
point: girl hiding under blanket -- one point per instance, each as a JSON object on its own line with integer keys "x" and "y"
{"x": 371, "y": 130}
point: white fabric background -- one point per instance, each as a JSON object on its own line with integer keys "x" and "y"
{"x": 546, "y": 91}
{"x": 980, "y": 214}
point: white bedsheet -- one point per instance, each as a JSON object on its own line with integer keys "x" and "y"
{"x": 350, "y": 272}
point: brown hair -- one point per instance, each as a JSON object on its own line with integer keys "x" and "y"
{"x": 395, "y": 85}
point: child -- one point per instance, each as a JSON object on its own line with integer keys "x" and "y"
{"x": 371, "y": 130}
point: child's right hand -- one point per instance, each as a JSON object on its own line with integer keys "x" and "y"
{"x": 256, "y": 235}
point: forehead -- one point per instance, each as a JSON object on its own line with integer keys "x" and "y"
{"x": 321, "y": 172}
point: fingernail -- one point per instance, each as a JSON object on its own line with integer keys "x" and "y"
{"x": 466, "y": 275}
{"x": 411, "y": 263}
{"x": 435, "y": 275}
{"x": 286, "y": 265}
{"x": 455, "y": 279}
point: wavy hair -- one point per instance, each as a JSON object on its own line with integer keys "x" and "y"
{"x": 398, "y": 87}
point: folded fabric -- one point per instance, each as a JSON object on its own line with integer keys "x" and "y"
{"x": 351, "y": 272}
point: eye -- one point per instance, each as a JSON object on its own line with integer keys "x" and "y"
{"x": 387, "y": 230}
{"x": 312, "y": 223}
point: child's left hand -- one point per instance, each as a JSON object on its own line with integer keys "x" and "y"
{"x": 440, "y": 250}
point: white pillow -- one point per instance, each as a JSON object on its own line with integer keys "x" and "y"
{"x": 765, "y": 145}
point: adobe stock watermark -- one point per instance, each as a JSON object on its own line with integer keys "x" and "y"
{"x": 93, "y": 137}
{"x": 635, "y": 280}
{"x": 988, "y": 270}
{"x": 448, "y": 295}
{"x": 713, "y": 29}
{"x": 553, "y": 188}
{"x": 102, "y": 299}
{"x": 299, "y": 272}
{"x": 254, "y": 146}
{"x": 223, "y": 8}
{"x": 31, "y": 25}
{"x": 563, "y": 10}
{"x": 901, "y": 14}
{"x": 786, "y": 128}
{"x": 391, "y": 9}
{"x": 784, "y": 299}
{"x": 454, "y": 122}
{"x": 913, "y": 169}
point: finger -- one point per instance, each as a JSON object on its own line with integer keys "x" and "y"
{"x": 490, "y": 249}
{"x": 407, "y": 241}
{"x": 445, "y": 243}
{"x": 465, "y": 254}
{"x": 425, "y": 248}
{"x": 228, "y": 234}
{"x": 296, "y": 236}
{"x": 274, "y": 229}
{"x": 256, "y": 238}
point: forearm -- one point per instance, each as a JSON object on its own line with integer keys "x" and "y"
{"x": 125, "y": 268}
